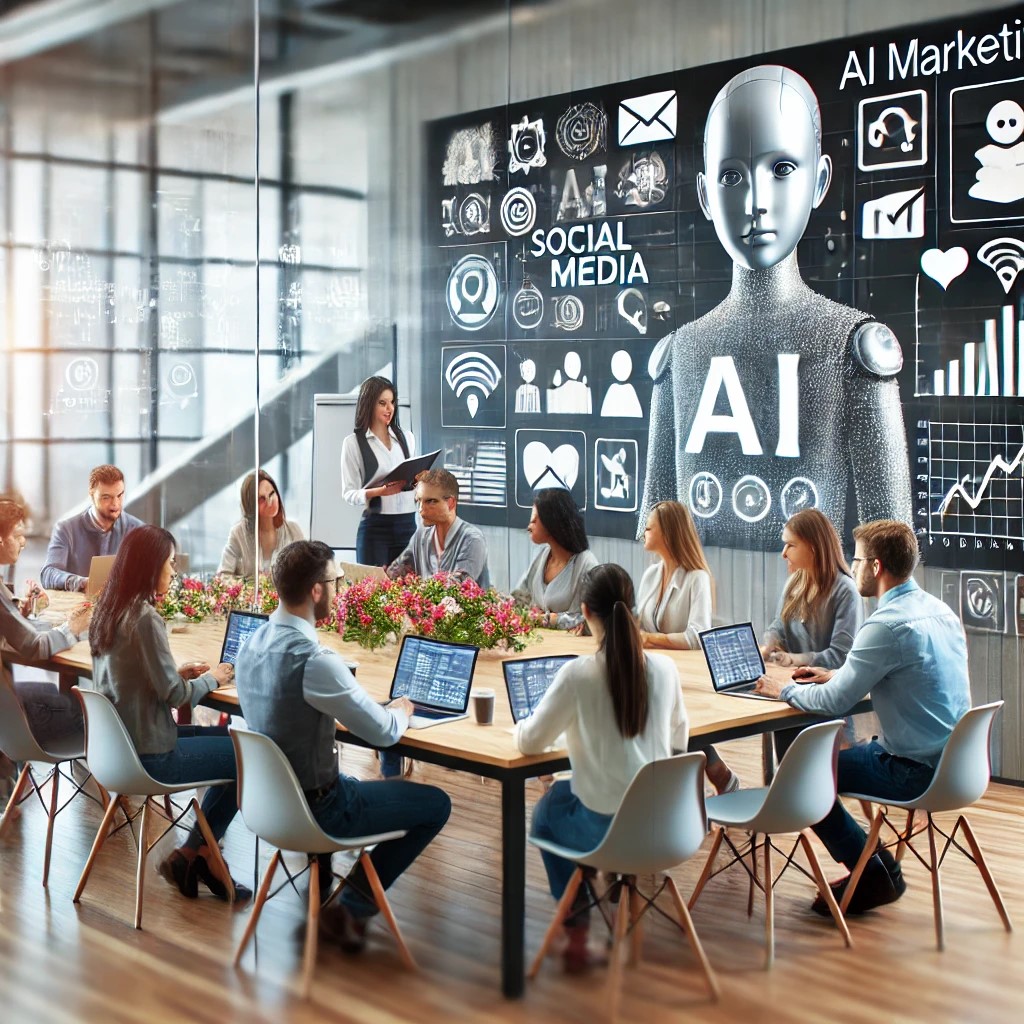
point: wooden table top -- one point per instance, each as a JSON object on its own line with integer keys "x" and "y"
{"x": 709, "y": 713}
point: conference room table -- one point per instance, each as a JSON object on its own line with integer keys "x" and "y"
{"x": 487, "y": 750}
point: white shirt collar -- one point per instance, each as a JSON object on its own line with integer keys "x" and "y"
{"x": 280, "y": 617}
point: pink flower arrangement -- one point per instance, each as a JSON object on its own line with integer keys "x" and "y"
{"x": 446, "y": 606}
{"x": 190, "y": 597}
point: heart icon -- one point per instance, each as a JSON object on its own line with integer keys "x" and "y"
{"x": 944, "y": 266}
{"x": 543, "y": 467}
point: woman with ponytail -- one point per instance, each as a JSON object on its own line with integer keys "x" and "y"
{"x": 619, "y": 709}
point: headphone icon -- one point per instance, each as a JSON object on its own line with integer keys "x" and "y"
{"x": 878, "y": 133}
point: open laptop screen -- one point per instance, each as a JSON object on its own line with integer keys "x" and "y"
{"x": 434, "y": 673}
{"x": 241, "y": 626}
{"x": 732, "y": 655}
{"x": 528, "y": 679}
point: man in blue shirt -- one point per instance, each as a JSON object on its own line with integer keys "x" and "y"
{"x": 294, "y": 690}
{"x": 911, "y": 656}
{"x": 98, "y": 530}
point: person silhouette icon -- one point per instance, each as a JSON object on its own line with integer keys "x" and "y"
{"x": 1000, "y": 178}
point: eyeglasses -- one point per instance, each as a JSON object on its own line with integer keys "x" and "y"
{"x": 862, "y": 558}
{"x": 264, "y": 499}
{"x": 336, "y": 580}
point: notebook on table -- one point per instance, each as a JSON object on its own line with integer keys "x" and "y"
{"x": 99, "y": 572}
{"x": 528, "y": 679}
{"x": 734, "y": 660}
{"x": 241, "y": 626}
{"x": 436, "y": 675}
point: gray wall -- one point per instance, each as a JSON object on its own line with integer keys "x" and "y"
{"x": 576, "y": 46}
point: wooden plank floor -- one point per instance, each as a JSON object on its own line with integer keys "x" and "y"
{"x": 67, "y": 965}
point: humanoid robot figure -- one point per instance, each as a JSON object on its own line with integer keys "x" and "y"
{"x": 778, "y": 398}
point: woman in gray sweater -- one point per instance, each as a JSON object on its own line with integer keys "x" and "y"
{"x": 134, "y": 668}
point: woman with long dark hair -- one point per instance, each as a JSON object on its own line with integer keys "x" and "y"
{"x": 134, "y": 668}
{"x": 262, "y": 503}
{"x": 377, "y": 445}
{"x": 552, "y": 583}
{"x": 619, "y": 709}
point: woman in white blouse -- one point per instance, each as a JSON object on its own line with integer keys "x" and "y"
{"x": 675, "y": 599}
{"x": 619, "y": 709}
{"x": 552, "y": 583}
{"x": 261, "y": 501}
{"x": 376, "y": 446}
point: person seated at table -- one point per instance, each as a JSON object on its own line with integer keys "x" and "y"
{"x": 133, "y": 667}
{"x": 552, "y": 583}
{"x": 619, "y": 708}
{"x": 260, "y": 503}
{"x": 99, "y": 530}
{"x": 444, "y": 543}
{"x": 294, "y": 690}
{"x": 820, "y": 610}
{"x": 52, "y": 716}
{"x": 911, "y": 656}
{"x": 674, "y": 601}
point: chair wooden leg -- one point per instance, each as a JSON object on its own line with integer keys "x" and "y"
{"x": 753, "y": 873}
{"x": 561, "y": 912}
{"x": 614, "y": 988}
{"x": 380, "y": 898}
{"x": 769, "y": 904}
{"x": 986, "y": 875}
{"x": 51, "y": 814}
{"x": 901, "y": 845}
{"x": 312, "y": 915}
{"x": 218, "y": 857}
{"x": 867, "y": 810}
{"x": 691, "y": 933}
{"x": 261, "y": 898}
{"x": 709, "y": 866}
{"x": 940, "y": 938}
{"x": 140, "y": 874}
{"x": 10, "y": 811}
{"x": 825, "y": 889}
{"x": 101, "y": 837}
{"x": 865, "y": 855}
{"x": 637, "y": 933}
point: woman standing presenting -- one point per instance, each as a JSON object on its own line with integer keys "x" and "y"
{"x": 552, "y": 583}
{"x": 260, "y": 502}
{"x": 376, "y": 446}
{"x": 619, "y": 710}
{"x": 133, "y": 667}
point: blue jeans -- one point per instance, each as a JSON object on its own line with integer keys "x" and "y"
{"x": 381, "y": 539}
{"x": 870, "y": 769}
{"x": 202, "y": 752}
{"x": 52, "y": 716}
{"x": 354, "y": 808}
{"x": 562, "y": 818}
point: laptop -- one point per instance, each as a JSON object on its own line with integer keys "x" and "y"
{"x": 356, "y": 573}
{"x": 241, "y": 626}
{"x": 99, "y": 571}
{"x": 528, "y": 679}
{"x": 734, "y": 660}
{"x": 436, "y": 676}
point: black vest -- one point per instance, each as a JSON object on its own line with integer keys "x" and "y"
{"x": 370, "y": 462}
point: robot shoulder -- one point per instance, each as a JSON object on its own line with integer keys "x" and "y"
{"x": 875, "y": 350}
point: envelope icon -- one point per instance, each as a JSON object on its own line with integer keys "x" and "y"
{"x": 897, "y": 215}
{"x": 650, "y": 118}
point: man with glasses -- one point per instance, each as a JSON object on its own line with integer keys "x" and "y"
{"x": 293, "y": 690}
{"x": 911, "y": 656}
{"x": 444, "y": 543}
{"x": 98, "y": 530}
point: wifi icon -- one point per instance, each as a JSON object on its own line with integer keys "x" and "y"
{"x": 1004, "y": 256}
{"x": 475, "y": 375}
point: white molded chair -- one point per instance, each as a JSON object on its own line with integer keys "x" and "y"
{"x": 18, "y": 743}
{"x": 801, "y": 794}
{"x": 659, "y": 824}
{"x": 960, "y": 779}
{"x": 116, "y": 766}
{"x": 274, "y": 807}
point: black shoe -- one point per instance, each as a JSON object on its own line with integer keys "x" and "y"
{"x": 215, "y": 885}
{"x": 326, "y": 872}
{"x": 339, "y": 927}
{"x": 179, "y": 871}
{"x": 878, "y": 885}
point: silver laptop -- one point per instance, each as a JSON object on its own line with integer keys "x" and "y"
{"x": 528, "y": 679}
{"x": 241, "y": 625}
{"x": 436, "y": 676}
{"x": 99, "y": 572}
{"x": 734, "y": 660}
{"x": 356, "y": 573}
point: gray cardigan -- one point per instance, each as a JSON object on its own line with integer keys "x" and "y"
{"x": 73, "y": 544}
{"x": 562, "y": 594}
{"x": 465, "y": 550}
{"x": 140, "y": 678}
{"x": 828, "y": 637}
{"x": 239, "y": 556}
{"x": 18, "y": 635}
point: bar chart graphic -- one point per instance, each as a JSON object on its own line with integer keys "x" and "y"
{"x": 976, "y": 479}
{"x": 990, "y": 366}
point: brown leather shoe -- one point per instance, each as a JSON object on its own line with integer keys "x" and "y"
{"x": 340, "y": 928}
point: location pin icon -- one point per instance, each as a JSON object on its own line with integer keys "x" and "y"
{"x": 472, "y": 403}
